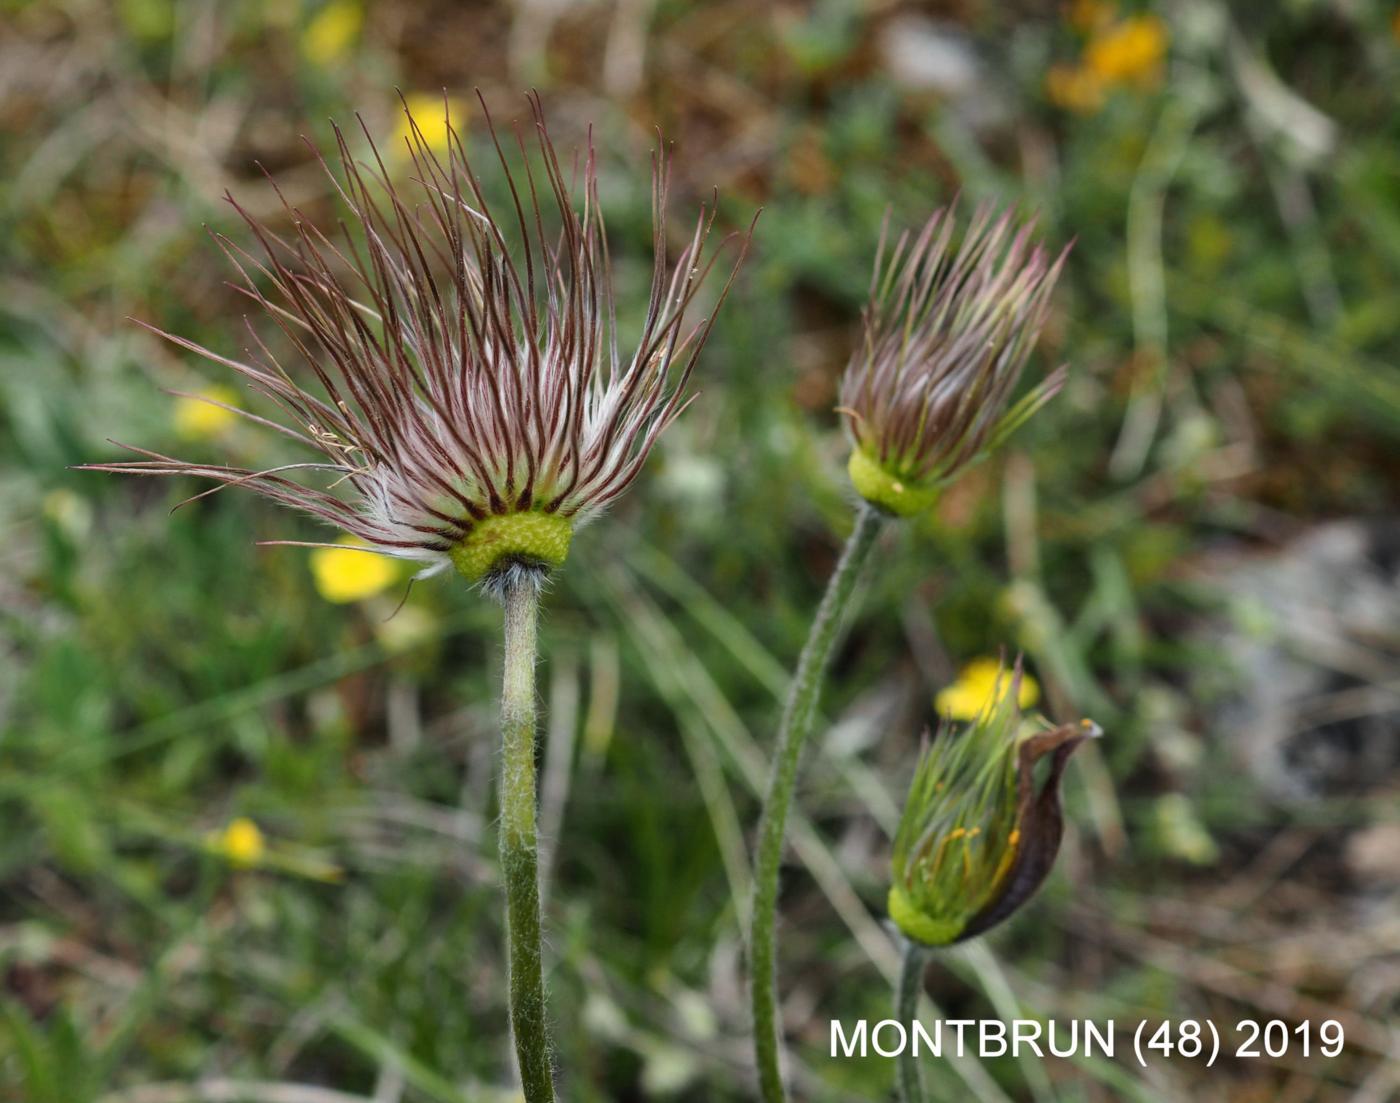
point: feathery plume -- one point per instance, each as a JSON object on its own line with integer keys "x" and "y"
{"x": 947, "y": 332}
{"x": 464, "y": 384}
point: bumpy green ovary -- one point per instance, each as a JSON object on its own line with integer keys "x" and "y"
{"x": 878, "y": 487}
{"x": 919, "y": 926}
{"x": 532, "y": 537}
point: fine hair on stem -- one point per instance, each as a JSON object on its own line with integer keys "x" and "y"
{"x": 799, "y": 713}
{"x": 518, "y": 591}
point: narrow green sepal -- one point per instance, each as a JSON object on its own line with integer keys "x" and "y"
{"x": 916, "y": 925}
{"x": 889, "y": 492}
{"x": 532, "y": 537}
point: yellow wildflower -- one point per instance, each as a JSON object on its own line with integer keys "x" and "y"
{"x": 241, "y": 843}
{"x": 427, "y": 109}
{"x": 1128, "y": 52}
{"x": 332, "y": 32}
{"x": 1089, "y": 15}
{"x": 1074, "y": 88}
{"x": 197, "y": 418}
{"x": 351, "y": 572}
{"x": 981, "y": 685}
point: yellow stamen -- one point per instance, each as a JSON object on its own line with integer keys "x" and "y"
{"x": 937, "y": 862}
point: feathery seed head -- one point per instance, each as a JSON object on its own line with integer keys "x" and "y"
{"x": 463, "y": 384}
{"x": 947, "y": 331}
{"x": 976, "y": 837}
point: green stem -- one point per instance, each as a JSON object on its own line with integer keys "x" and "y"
{"x": 906, "y": 1005}
{"x": 519, "y": 864}
{"x": 798, "y": 714}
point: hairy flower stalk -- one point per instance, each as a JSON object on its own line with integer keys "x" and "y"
{"x": 977, "y": 837}
{"x": 804, "y": 695}
{"x": 519, "y": 844}
{"x": 465, "y": 392}
{"x": 913, "y": 959}
{"x": 947, "y": 332}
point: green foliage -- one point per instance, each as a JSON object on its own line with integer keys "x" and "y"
{"x": 1228, "y": 309}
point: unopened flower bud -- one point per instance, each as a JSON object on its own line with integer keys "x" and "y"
{"x": 978, "y": 837}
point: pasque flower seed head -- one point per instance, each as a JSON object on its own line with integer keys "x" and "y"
{"x": 462, "y": 376}
{"x": 946, "y": 333}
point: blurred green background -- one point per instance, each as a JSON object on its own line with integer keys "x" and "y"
{"x": 246, "y": 832}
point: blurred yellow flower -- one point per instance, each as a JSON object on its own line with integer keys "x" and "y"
{"x": 241, "y": 843}
{"x": 978, "y": 689}
{"x": 427, "y": 109}
{"x": 1130, "y": 51}
{"x": 332, "y": 32}
{"x": 1087, "y": 15}
{"x": 1074, "y": 88}
{"x": 197, "y": 418}
{"x": 351, "y": 572}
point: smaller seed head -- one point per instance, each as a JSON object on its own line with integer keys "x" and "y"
{"x": 947, "y": 332}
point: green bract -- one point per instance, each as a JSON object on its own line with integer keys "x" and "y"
{"x": 881, "y": 488}
{"x": 532, "y": 538}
